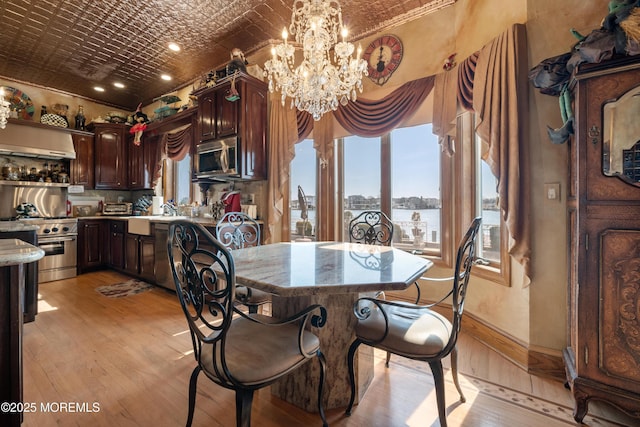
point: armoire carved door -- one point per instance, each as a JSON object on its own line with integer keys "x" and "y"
{"x": 603, "y": 209}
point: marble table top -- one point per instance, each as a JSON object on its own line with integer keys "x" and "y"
{"x": 306, "y": 268}
{"x": 15, "y": 251}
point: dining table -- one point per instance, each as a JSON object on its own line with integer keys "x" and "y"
{"x": 334, "y": 275}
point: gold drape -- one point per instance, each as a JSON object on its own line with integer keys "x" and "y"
{"x": 283, "y": 134}
{"x": 500, "y": 101}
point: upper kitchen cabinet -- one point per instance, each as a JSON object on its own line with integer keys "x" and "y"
{"x": 142, "y": 159}
{"x": 82, "y": 166}
{"x": 110, "y": 156}
{"x": 241, "y": 113}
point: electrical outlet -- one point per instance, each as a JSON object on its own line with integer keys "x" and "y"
{"x": 552, "y": 191}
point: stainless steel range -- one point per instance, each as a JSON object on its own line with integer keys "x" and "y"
{"x": 58, "y": 237}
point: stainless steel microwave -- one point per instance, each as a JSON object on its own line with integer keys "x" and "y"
{"x": 217, "y": 158}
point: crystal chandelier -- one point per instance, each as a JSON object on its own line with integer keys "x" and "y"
{"x": 4, "y": 110}
{"x": 317, "y": 83}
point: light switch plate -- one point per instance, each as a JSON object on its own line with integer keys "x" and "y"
{"x": 552, "y": 191}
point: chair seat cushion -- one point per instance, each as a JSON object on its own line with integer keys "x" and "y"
{"x": 412, "y": 332}
{"x": 256, "y": 353}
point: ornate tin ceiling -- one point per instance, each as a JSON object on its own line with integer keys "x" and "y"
{"x": 74, "y": 45}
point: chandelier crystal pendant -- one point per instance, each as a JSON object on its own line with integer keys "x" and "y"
{"x": 317, "y": 84}
{"x": 4, "y": 110}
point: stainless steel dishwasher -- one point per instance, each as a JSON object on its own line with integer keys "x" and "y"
{"x": 162, "y": 268}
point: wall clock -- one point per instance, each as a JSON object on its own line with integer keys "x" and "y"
{"x": 383, "y": 57}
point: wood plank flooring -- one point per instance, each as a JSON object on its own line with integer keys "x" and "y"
{"x": 128, "y": 361}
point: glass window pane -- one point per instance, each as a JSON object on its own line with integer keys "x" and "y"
{"x": 415, "y": 187}
{"x": 183, "y": 180}
{"x": 487, "y": 184}
{"x": 361, "y": 177}
{"x": 303, "y": 174}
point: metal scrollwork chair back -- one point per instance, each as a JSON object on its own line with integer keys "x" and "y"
{"x": 416, "y": 331}
{"x": 238, "y": 351}
{"x": 372, "y": 228}
{"x": 237, "y": 230}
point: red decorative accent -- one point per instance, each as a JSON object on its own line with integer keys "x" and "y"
{"x": 450, "y": 62}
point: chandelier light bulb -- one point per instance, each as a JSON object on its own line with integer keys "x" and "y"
{"x": 323, "y": 80}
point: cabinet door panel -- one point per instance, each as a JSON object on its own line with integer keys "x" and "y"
{"x": 618, "y": 349}
{"x": 82, "y": 166}
{"x": 227, "y": 112}
{"x": 131, "y": 253}
{"x": 111, "y": 155}
{"x": 594, "y": 93}
{"x": 207, "y": 117}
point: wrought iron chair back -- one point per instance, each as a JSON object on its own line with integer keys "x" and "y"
{"x": 372, "y": 228}
{"x": 237, "y": 230}
{"x": 204, "y": 276}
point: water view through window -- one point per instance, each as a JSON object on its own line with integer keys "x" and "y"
{"x": 413, "y": 165}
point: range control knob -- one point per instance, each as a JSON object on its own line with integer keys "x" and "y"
{"x": 65, "y": 229}
{"x": 46, "y": 231}
{"x": 54, "y": 229}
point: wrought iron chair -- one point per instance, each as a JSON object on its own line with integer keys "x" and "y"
{"x": 375, "y": 228}
{"x": 416, "y": 331}
{"x": 238, "y": 351}
{"x": 237, "y": 230}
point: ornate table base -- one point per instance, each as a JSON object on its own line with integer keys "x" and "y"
{"x": 301, "y": 387}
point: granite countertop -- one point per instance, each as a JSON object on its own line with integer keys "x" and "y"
{"x": 207, "y": 221}
{"x": 16, "y": 226}
{"x": 15, "y": 251}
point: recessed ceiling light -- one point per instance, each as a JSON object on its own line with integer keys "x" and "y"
{"x": 98, "y": 89}
{"x": 165, "y": 77}
{"x": 174, "y": 47}
{"x": 118, "y": 85}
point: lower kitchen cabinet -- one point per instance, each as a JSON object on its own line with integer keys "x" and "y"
{"x": 116, "y": 243}
{"x": 140, "y": 256}
{"x": 91, "y": 250}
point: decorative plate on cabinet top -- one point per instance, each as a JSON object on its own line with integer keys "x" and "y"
{"x": 19, "y": 101}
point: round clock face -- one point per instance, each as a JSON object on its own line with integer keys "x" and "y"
{"x": 383, "y": 56}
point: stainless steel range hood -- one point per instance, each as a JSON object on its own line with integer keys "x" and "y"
{"x": 36, "y": 141}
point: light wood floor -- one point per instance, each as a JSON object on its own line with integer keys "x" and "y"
{"x": 129, "y": 360}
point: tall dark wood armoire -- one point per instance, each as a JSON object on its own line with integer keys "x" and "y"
{"x": 603, "y": 203}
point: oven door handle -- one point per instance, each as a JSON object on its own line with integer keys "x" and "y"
{"x": 46, "y": 240}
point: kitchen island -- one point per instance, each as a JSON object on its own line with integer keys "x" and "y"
{"x": 14, "y": 254}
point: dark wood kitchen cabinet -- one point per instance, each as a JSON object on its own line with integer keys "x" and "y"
{"x": 116, "y": 243}
{"x": 603, "y": 358}
{"x": 111, "y": 164}
{"x": 92, "y": 254}
{"x": 244, "y": 118}
{"x": 142, "y": 159}
{"x": 82, "y": 167}
{"x": 140, "y": 256}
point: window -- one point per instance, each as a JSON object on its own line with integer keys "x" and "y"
{"x": 176, "y": 183}
{"x": 415, "y": 189}
{"x": 487, "y": 207}
{"x": 399, "y": 174}
{"x": 361, "y": 178}
{"x": 182, "y": 181}
{"x": 303, "y": 174}
{"x": 477, "y": 183}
